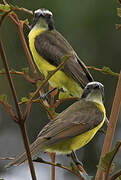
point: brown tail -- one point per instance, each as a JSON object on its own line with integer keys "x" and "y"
{"x": 21, "y": 158}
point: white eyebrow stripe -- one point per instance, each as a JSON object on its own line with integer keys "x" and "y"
{"x": 43, "y": 11}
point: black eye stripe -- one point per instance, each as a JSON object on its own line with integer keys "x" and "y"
{"x": 36, "y": 15}
{"x": 47, "y": 16}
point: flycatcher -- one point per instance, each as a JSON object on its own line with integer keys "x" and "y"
{"x": 48, "y": 47}
{"x": 73, "y": 128}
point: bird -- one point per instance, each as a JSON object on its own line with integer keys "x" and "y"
{"x": 48, "y": 48}
{"x": 73, "y": 128}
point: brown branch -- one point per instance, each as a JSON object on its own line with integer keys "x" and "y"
{"x": 79, "y": 167}
{"x": 3, "y": 16}
{"x": 27, "y": 148}
{"x": 52, "y": 157}
{"x": 103, "y": 70}
{"x": 43, "y": 84}
{"x": 9, "y": 109}
{"x": 6, "y": 158}
{"x": 4, "y": 1}
{"x": 46, "y": 108}
{"x": 19, "y": 113}
{"x": 107, "y": 172}
{"x": 116, "y": 175}
{"x": 111, "y": 126}
{"x": 4, "y": 60}
{"x": 26, "y": 76}
{"x": 20, "y": 28}
{"x": 41, "y": 102}
{"x": 28, "y": 107}
{"x": 52, "y": 95}
{"x": 19, "y": 25}
{"x": 49, "y": 76}
{"x": 19, "y": 119}
{"x": 19, "y": 9}
{"x": 57, "y": 165}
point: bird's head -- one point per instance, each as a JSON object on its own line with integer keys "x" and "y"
{"x": 94, "y": 91}
{"x": 43, "y": 18}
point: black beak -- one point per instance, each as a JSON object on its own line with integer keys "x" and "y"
{"x": 35, "y": 19}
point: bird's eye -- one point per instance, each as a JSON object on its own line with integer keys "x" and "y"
{"x": 36, "y": 15}
{"x": 48, "y": 16}
{"x": 96, "y": 87}
{"x": 87, "y": 87}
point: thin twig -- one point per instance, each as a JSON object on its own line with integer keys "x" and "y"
{"x": 20, "y": 28}
{"x": 79, "y": 167}
{"x": 19, "y": 24}
{"x": 104, "y": 70}
{"x": 57, "y": 165}
{"x": 19, "y": 113}
{"x": 6, "y": 158}
{"x": 4, "y": 59}
{"x": 38, "y": 100}
{"x": 26, "y": 76}
{"x": 19, "y": 9}
{"x": 46, "y": 108}
{"x": 111, "y": 126}
{"x": 107, "y": 172}
{"x": 49, "y": 76}
{"x": 43, "y": 84}
{"x": 5, "y": 2}
{"x": 19, "y": 119}
{"x": 3, "y": 16}
{"x": 52, "y": 157}
{"x": 9, "y": 109}
{"x": 27, "y": 148}
{"x": 116, "y": 175}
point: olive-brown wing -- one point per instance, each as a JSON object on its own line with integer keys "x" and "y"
{"x": 52, "y": 46}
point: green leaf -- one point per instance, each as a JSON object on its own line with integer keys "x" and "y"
{"x": 5, "y": 7}
{"x": 24, "y": 99}
{"x": 25, "y": 70}
{"x": 119, "y": 12}
{"x": 3, "y": 98}
{"x": 108, "y": 157}
{"x": 26, "y": 21}
{"x": 15, "y": 7}
{"x": 109, "y": 71}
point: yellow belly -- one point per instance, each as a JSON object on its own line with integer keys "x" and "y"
{"x": 72, "y": 144}
{"x": 59, "y": 79}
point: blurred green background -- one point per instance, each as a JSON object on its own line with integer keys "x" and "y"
{"x": 89, "y": 26}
